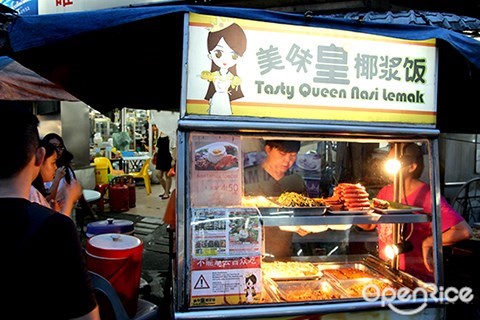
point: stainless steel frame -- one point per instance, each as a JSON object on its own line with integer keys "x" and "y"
{"x": 312, "y": 130}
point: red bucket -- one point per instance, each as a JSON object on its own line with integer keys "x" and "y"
{"x": 118, "y": 258}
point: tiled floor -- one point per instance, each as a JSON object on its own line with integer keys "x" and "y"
{"x": 149, "y": 205}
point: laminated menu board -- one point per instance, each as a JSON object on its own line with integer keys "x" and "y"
{"x": 226, "y": 232}
{"x": 215, "y": 175}
{"x": 226, "y": 255}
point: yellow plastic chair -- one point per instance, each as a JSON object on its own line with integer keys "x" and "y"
{"x": 105, "y": 162}
{"x": 144, "y": 174}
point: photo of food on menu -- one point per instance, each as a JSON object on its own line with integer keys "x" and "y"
{"x": 221, "y": 155}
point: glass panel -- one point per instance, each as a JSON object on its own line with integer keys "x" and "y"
{"x": 327, "y": 203}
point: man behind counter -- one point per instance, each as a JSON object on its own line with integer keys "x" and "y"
{"x": 272, "y": 181}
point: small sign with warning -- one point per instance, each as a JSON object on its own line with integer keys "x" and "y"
{"x": 225, "y": 281}
{"x": 201, "y": 283}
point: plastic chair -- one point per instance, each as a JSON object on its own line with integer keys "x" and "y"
{"x": 144, "y": 174}
{"x": 467, "y": 201}
{"x": 111, "y": 306}
{"x": 105, "y": 162}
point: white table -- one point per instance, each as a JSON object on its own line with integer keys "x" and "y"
{"x": 91, "y": 195}
{"x": 134, "y": 163}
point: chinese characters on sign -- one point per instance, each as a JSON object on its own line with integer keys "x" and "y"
{"x": 317, "y": 73}
{"x": 225, "y": 258}
{"x": 63, "y": 3}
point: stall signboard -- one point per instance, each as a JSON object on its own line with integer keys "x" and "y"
{"x": 226, "y": 257}
{"x": 239, "y": 67}
{"x": 215, "y": 175}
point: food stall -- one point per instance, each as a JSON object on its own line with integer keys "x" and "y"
{"x": 327, "y": 89}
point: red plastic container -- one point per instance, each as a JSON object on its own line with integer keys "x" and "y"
{"x": 118, "y": 258}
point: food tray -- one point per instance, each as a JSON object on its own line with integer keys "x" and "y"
{"x": 354, "y": 288}
{"x": 308, "y": 290}
{"x": 396, "y": 207}
{"x": 258, "y": 201}
{"x": 269, "y": 290}
{"x": 346, "y": 212}
{"x": 293, "y": 211}
{"x": 291, "y": 270}
{"x": 335, "y": 267}
{"x": 268, "y": 206}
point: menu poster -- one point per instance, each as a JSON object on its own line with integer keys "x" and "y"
{"x": 226, "y": 281}
{"x": 216, "y": 178}
{"x": 226, "y": 232}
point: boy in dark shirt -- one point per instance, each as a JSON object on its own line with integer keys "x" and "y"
{"x": 43, "y": 263}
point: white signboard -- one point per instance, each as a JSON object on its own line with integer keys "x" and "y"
{"x": 62, "y": 6}
{"x": 290, "y": 71}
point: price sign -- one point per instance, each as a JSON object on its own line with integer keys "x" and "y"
{"x": 216, "y": 177}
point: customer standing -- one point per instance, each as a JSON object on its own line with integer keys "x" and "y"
{"x": 164, "y": 163}
{"x": 49, "y": 173}
{"x": 43, "y": 260}
{"x": 64, "y": 162}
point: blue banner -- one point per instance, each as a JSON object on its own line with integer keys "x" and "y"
{"x": 23, "y": 7}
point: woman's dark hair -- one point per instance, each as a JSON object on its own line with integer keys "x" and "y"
{"x": 66, "y": 157}
{"x": 236, "y": 39}
{"x": 53, "y": 135}
{"x": 412, "y": 153}
{"x": 49, "y": 151}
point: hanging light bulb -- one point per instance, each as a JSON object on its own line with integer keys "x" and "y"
{"x": 392, "y": 166}
{"x": 393, "y": 250}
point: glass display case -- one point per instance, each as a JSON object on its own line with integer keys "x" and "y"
{"x": 328, "y": 264}
{"x": 304, "y": 238}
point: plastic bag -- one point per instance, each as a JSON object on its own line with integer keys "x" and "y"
{"x": 171, "y": 172}
{"x": 121, "y": 140}
{"x": 154, "y": 159}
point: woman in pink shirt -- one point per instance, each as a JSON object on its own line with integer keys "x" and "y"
{"x": 419, "y": 261}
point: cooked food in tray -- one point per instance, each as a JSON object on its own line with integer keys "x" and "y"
{"x": 379, "y": 203}
{"x": 259, "y": 201}
{"x": 306, "y": 290}
{"x": 387, "y": 207}
{"x": 348, "y": 197}
{"x": 373, "y": 287}
{"x": 293, "y": 199}
{"x": 348, "y": 273}
{"x": 289, "y": 269}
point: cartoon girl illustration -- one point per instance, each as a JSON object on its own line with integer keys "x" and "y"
{"x": 250, "y": 291}
{"x": 226, "y": 44}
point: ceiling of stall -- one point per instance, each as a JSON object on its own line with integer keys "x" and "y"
{"x": 132, "y": 57}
